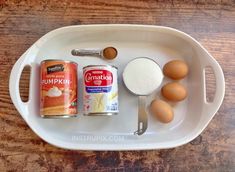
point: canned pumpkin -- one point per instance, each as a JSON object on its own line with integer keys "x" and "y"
{"x": 58, "y": 89}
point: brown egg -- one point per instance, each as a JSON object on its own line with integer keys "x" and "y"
{"x": 175, "y": 69}
{"x": 174, "y": 91}
{"x": 162, "y": 111}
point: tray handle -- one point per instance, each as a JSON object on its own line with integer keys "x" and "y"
{"x": 14, "y": 81}
{"x": 211, "y": 108}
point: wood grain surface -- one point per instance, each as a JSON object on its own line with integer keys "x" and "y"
{"x": 211, "y": 22}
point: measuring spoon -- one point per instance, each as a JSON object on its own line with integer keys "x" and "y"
{"x": 108, "y": 53}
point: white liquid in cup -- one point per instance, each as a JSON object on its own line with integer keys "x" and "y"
{"x": 142, "y": 76}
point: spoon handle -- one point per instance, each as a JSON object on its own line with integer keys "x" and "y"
{"x": 142, "y": 116}
{"x": 86, "y": 52}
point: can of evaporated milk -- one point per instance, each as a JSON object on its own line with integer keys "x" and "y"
{"x": 100, "y": 90}
{"x": 58, "y": 89}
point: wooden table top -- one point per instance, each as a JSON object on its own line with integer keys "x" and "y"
{"x": 211, "y": 22}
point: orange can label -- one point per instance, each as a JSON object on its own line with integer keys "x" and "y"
{"x": 58, "y": 83}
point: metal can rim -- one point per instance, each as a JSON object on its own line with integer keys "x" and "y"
{"x": 58, "y": 116}
{"x": 112, "y": 66}
{"x": 101, "y": 113}
{"x": 59, "y": 60}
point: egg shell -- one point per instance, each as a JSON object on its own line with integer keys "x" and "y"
{"x": 175, "y": 69}
{"x": 162, "y": 111}
{"x": 174, "y": 91}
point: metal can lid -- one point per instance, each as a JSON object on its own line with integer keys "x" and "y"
{"x": 59, "y": 60}
{"x": 112, "y": 66}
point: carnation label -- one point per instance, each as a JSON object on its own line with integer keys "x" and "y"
{"x": 98, "y": 81}
{"x": 100, "y": 93}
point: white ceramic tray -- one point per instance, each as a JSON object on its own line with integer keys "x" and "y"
{"x": 116, "y": 132}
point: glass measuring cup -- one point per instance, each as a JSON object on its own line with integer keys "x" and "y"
{"x": 142, "y": 76}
